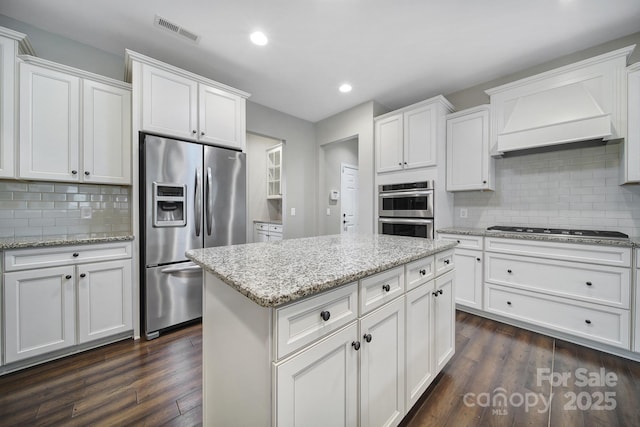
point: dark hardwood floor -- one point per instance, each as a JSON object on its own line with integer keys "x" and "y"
{"x": 499, "y": 376}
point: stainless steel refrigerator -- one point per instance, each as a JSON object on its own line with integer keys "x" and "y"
{"x": 194, "y": 196}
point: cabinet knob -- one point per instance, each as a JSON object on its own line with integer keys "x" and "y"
{"x": 508, "y": 302}
{"x": 405, "y": 163}
{"x": 68, "y": 276}
{"x": 194, "y": 132}
{"x": 83, "y": 275}
{"x": 435, "y": 294}
{"x": 76, "y": 254}
{"x": 74, "y": 172}
{"x": 367, "y": 337}
{"x": 478, "y": 259}
{"x": 588, "y": 322}
{"x": 446, "y": 261}
{"x": 440, "y": 291}
{"x": 458, "y": 241}
{"x": 325, "y": 315}
{"x": 202, "y": 133}
{"x": 423, "y": 272}
{"x": 400, "y": 164}
{"x": 386, "y": 287}
{"x": 589, "y": 283}
{"x": 484, "y": 182}
{"x": 356, "y": 345}
{"x": 509, "y": 271}
{"x": 87, "y": 173}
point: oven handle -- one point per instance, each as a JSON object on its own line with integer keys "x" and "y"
{"x": 407, "y": 193}
{"x": 405, "y": 221}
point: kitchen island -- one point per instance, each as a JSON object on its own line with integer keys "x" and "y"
{"x": 331, "y": 330}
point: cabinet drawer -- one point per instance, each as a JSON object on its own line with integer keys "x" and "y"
{"x": 303, "y": 322}
{"x": 275, "y": 228}
{"x": 381, "y": 288}
{"x": 595, "y": 322}
{"x": 595, "y": 254}
{"x": 594, "y": 283}
{"x": 419, "y": 272}
{"x": 463, "y": 241}
{"x": 444, "y": 262}
{"x": 22, "y": 259}
{"x": 262, "y": 226}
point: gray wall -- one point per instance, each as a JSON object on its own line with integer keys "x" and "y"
{"x": 300, "y": 165}
{"x": 335, "y": 154}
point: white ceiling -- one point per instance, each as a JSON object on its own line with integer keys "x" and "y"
{"x": 393, "y": 51}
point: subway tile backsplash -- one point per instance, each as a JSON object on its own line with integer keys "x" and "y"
{"x": 575, "y": 188}
{"x": 42, "y": 209}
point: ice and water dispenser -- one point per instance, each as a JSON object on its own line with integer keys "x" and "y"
{"x": 169, "y": 205}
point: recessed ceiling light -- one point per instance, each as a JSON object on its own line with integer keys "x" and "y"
{"x": 345, "y": 87}
{"x": 259, "y": 38}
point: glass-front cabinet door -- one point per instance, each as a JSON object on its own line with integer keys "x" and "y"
{"x": 274, "y": 172}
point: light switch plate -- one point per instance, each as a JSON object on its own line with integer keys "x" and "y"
{"x": 293, "y": 211}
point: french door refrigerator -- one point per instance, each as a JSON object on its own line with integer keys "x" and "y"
{"x": 193, "y": 196}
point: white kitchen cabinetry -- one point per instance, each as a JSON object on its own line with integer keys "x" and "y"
{"x": 636, "y": 342}
{"x": 630, "y": 162}
{"x": 575, "y": 289}
{"x": 445, "y": 320}
{"x": 408, "y": 138}
{"x": 274, "y": 172}
{"x": 267, "y": 232}
{"x": 181, "y": 104}
{"x": 468, "y": 259}
{"x": 74, "y": 126}
{"x": 59, "y": 297}
{"x": 469, "y": 164}
{"x": 11, "y": 43}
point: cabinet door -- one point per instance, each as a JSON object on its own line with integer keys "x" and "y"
{"x": 469, "y": 278}
{"x": 420, "y": 137}
{"x": 468, "y": 160}
{"x": 631, "y": 147}
{"x": 319, "y": 386}
{"x": 40, "y": 312}
{"x": 382, "y": 363}
{"x": 388, "y": 139}
{"x": 7, "y": 107}
{"x": 49, "y": 124}
{"x": 419, "y": 346}
{"x": 107, "y": 134}
{"x": 169, "y": 103}
{"x": 444, "y": 319}
{"x": 221, "y": 118}
{"x": 104, "y": 299}
{"x": 274, "y": 173}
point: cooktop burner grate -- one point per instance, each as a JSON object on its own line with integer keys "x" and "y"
{"x": 604, "y": 234}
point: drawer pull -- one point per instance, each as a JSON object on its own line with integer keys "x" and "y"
{"x": 446, "y": 261}
{"x": 423, "y": 272}
{"x": 478, "y": 259}
{"x": 508, "y": 302}
{"x": 87, "y": 173}
{"x": 83, "y": 275}
{"x": 74, "y": 172}
{"x": 76, "y": 254}
{"x": 588, "y": 322}
{"x": 458, "y": 241}
{"x": 356, "y": 345}
{"x": 589, "y": 283}
{"x": 509, "y": 271}
{"x": 325, "y": 315}
{"x": 68, "y": 276}
{"x": 435, "y": 294}
{"x": 367, "y": 337}
{"x": 440, "y": 291}
{"x": 386, "y": 287}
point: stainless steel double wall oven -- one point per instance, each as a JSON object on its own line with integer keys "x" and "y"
{"x": 406, "y": 209}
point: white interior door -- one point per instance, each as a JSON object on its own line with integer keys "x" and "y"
{"x": 349, "y": 205}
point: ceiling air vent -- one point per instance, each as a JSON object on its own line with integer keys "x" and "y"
{"x": 175, "y": 29}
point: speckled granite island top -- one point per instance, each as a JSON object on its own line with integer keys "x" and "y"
{"x": 39, "y": 242}
{"x": 274, "y": 273}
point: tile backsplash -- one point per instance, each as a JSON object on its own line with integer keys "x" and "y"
{"x": 575, "y": 188}
{"x": 41, "y": 209}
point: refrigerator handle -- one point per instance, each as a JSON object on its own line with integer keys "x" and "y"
{"x": 208, "y": 191}
{"x": 197, "y": 214}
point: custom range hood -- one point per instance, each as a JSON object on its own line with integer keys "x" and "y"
{"x": 581, "y": 102}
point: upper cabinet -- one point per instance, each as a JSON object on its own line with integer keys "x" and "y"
{"x": 469, "y": 165}
{"x": 11, "y": 44}
{"x": 74, "y": 126}
{"x": 184, "y": 105}
{"x": 274, "y": 172}
{"x": 630, "y": 162}
{"x": 578, "y": 102}
{"x": 408, "y": 138}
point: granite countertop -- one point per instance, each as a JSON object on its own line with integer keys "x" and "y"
{"x": 273, "y": 273}
{"x": 631, "y": 242}
{"x": 39, "y": 242}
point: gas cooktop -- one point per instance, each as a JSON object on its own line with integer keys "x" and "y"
{"x": 561, "y": 232}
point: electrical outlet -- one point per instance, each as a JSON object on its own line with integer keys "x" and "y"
{"x": 328, "y": 211}
{"x": 293, "y": 211}
{"x": 463, "y": 213}
{"x": 85, "y": 212}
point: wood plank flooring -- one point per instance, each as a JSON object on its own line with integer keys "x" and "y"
{"x": 494, "y": 379}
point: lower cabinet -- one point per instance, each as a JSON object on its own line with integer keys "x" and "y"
{"x": 69, "y": 303}
{"x": 468, "y": 260}
{"x": 444, "y": 326}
